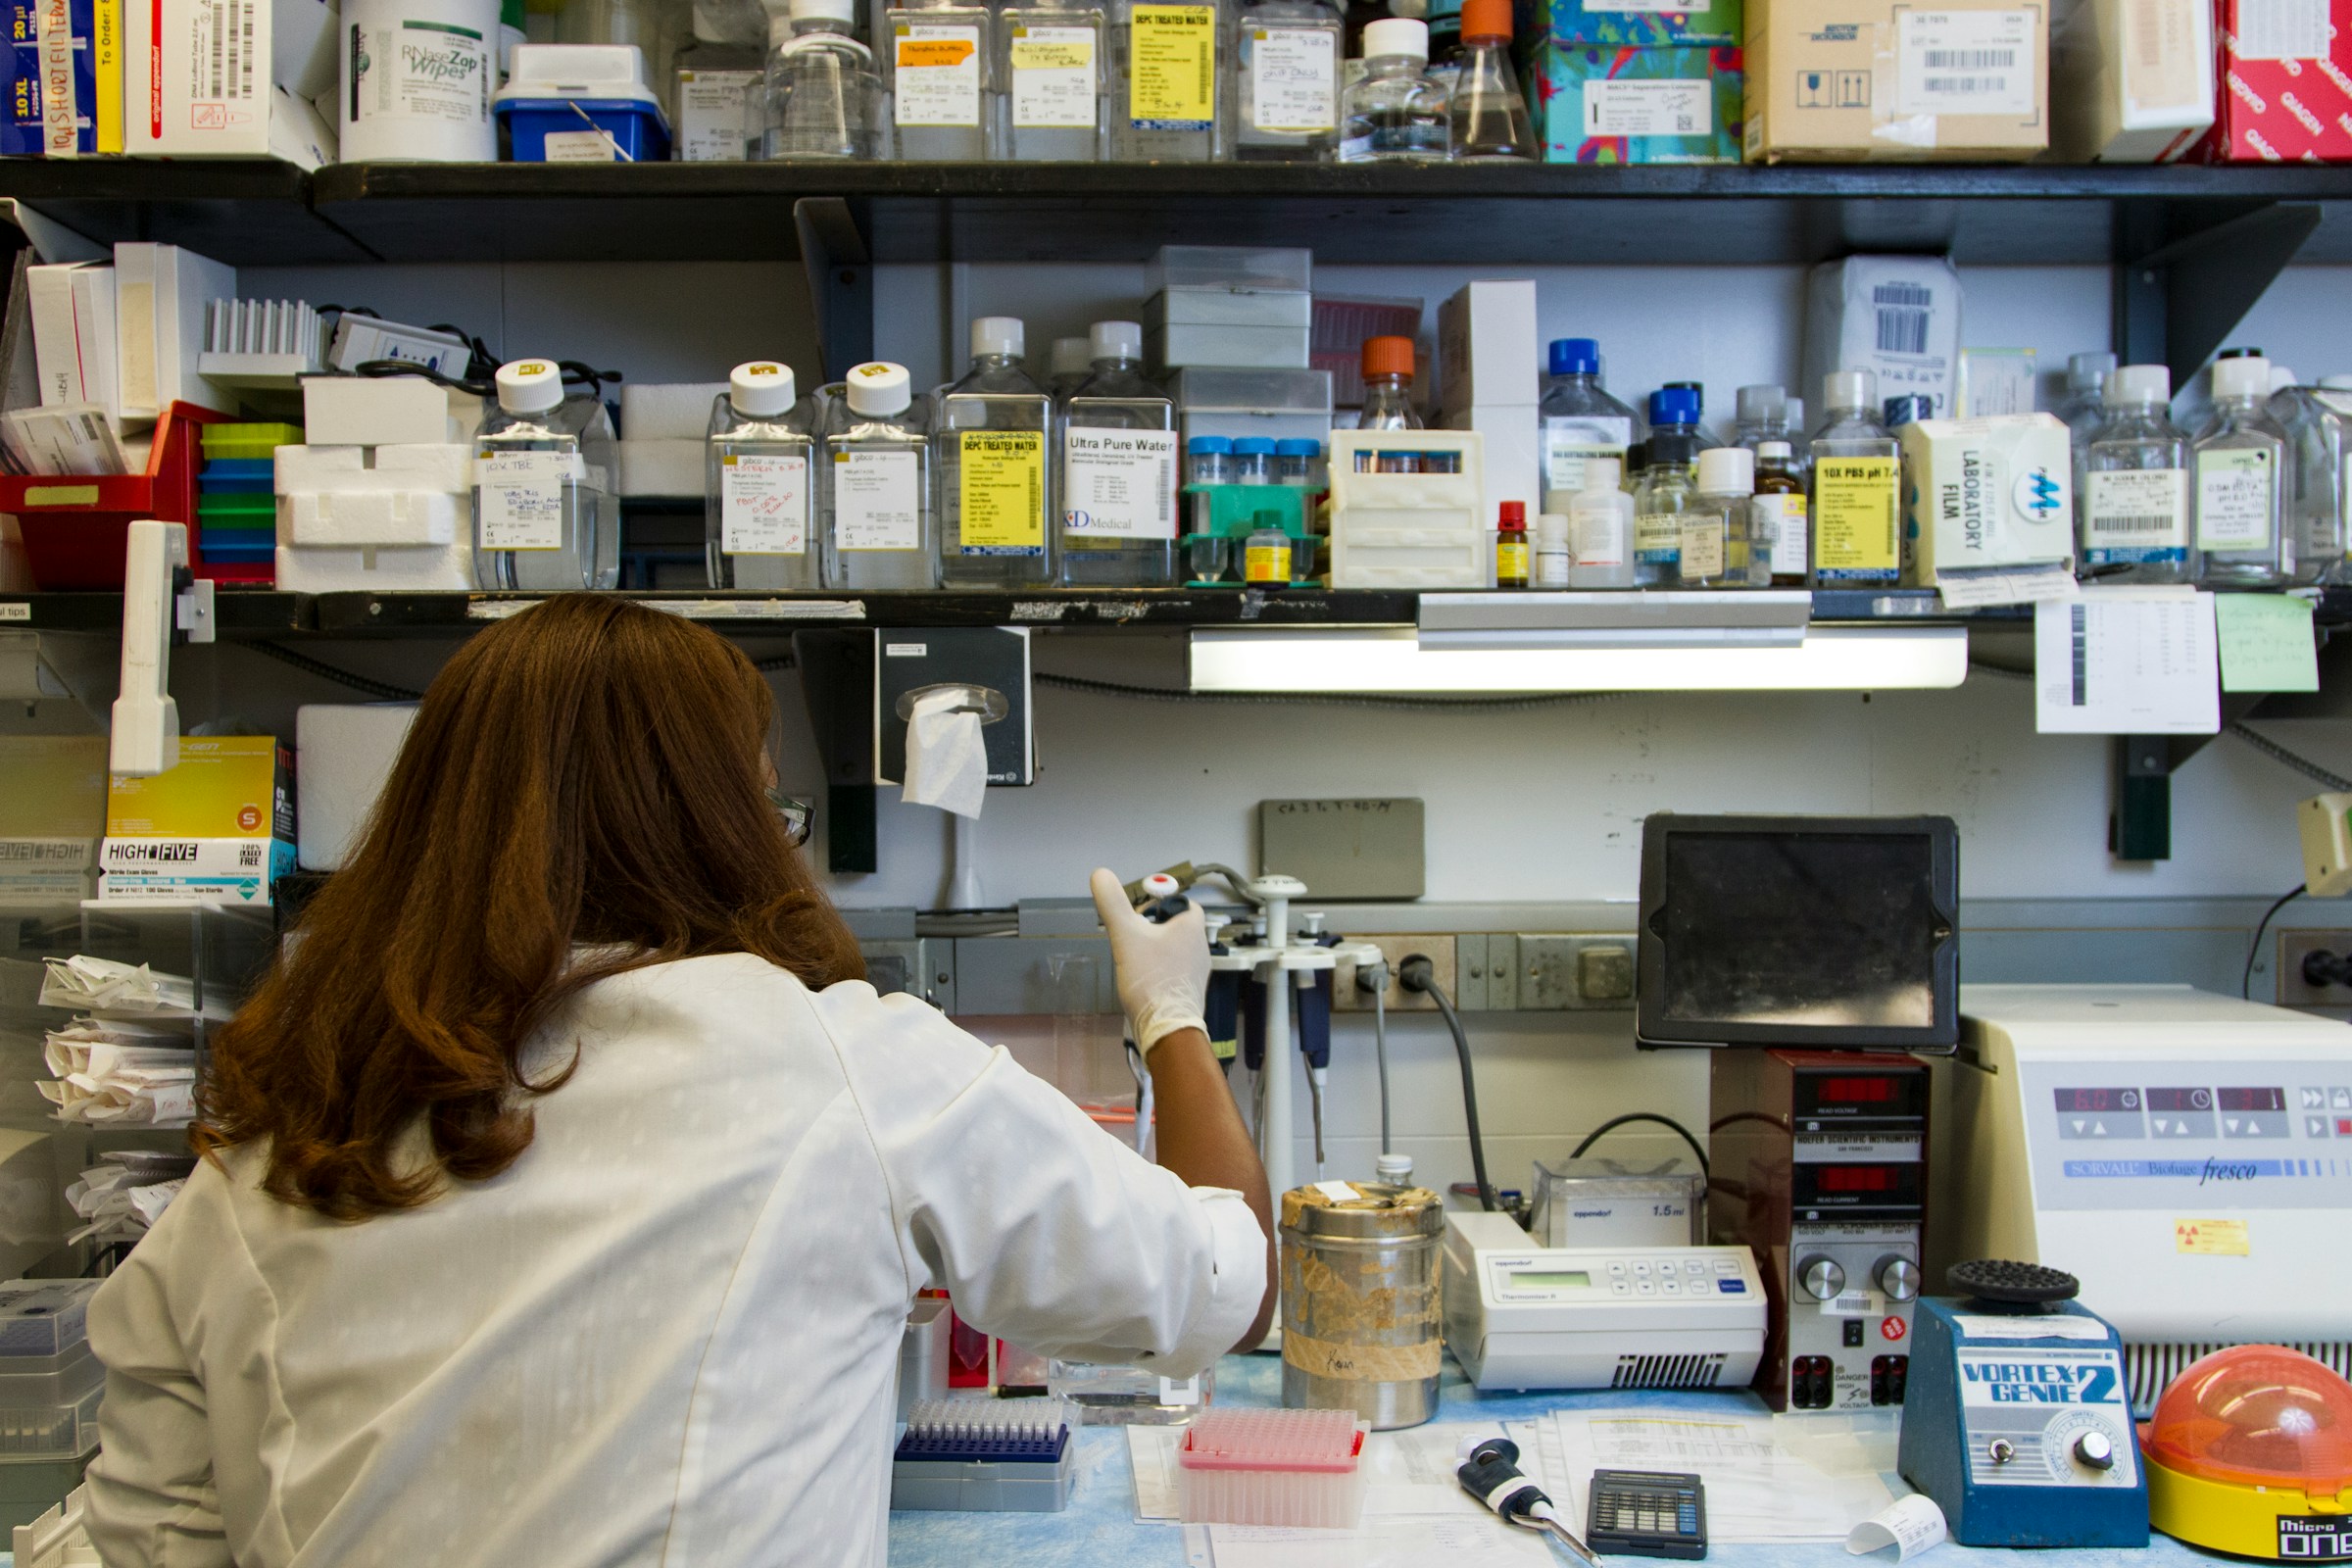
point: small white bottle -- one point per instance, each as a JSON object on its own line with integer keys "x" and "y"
{"x": 759, "y": 459}
{"x": 1555, "y": 558}
{"x": 546, "y": 515}
{"x": 2241, "y": 463}
{"x": 1719, "y": 536}
{"x": 1600, "y": 527}
{"x": 874, "y": 484}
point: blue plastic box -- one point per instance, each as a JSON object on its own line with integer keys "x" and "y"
{"x": 638, "y": 128}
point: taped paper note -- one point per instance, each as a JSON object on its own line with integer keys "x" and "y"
{"x": 1911, "y": 1526}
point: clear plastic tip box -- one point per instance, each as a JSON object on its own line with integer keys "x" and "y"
{"x": 1272, "y": 1467}
{"x": 50, "y": 1384}
{"x": 979, "y": 1455}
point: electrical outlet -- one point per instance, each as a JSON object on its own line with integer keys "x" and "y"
{"x": 2294, "y": 946}
{"x": 1437, "y": 949}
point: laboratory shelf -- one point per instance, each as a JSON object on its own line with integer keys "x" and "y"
{"x": 239, "y": 613}
{"x": 257, "y": 211}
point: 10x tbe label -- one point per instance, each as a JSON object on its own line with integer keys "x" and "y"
{"x": 2315, "y": 1536}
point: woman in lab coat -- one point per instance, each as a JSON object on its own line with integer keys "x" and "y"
{"x": 565, "y": 1188}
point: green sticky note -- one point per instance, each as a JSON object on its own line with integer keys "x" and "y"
{"x": 2265, "y": 643}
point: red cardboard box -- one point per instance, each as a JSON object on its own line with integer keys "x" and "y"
{"x": 2285, "y": 81}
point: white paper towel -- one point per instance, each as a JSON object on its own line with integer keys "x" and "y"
{"x": 946, "y": 762}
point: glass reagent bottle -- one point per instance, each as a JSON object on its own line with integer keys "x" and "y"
{"x": 758, "y": 475}
{"x": 2131, "y": 484}
{"x": 546, "y": 515}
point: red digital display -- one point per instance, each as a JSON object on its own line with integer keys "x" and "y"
{"x": 2098, "y": 1101}
{"x": 2252, "y": 1099}
{"x": 1857, "y": 1091}
{"x": 1855, "y": 1179}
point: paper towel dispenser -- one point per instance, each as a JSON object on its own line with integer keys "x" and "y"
{"x": 992, "y": 661}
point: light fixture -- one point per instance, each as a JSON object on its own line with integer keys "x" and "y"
{"x": 1386, "y": 659}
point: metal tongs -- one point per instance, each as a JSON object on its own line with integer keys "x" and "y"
{"x": 1490, "y": 1472}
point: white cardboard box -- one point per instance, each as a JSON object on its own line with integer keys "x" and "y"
{"x": 1514, "y": 438}
{"x": 229, "y": 79}
{"x": 1980, "y": 493}
{"x": 2131, "y": 80}
{"x": 1897, "y": 316}
{"x": 1487, "y": 347}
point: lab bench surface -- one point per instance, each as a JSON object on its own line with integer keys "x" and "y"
{"x": 1100, "y": 1526}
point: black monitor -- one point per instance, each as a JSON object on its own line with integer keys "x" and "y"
{"x": 1822, "y": 932}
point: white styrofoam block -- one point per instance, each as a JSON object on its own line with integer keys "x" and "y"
{"x": 667, "y": 468}
{"x": 319, "y": 570}
{"x": 443, "y": 466}
{"x": 368, "y": 520}
{"x": 669, "y": 410}
{"x": 343, "y": 755}
{"x": 362, "y": 411}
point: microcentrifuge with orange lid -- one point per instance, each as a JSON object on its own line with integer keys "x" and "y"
{"x": 2250, "y": 1452}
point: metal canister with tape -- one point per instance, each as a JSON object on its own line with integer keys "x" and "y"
{"x": 1362, "y": 1316}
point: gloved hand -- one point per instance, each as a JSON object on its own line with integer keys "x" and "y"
{"x": 1163, "y": 969}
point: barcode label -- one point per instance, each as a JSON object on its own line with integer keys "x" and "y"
{"x": 1903, "y": 331}
{"x": 1967, "y": 63}
{"x": 1913, "y": 294}
{"x": 2079, "y": 632}
{"x": 2144, "y": 523}
{"x": 222, "y": 65}
{"x": 2136, "y": 513}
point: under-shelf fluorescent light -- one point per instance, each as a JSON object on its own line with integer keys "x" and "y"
{"x": 1381, "y": 659}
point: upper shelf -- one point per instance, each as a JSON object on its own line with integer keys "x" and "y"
{"x": 1500, "y": 214}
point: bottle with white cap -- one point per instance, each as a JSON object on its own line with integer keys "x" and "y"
{"x": 823, "y": 97}
{"x": 1600, "y": 527}
{"x": 1720, "y": 548}
{"x": 1169, "y": 93}
{"x": 1760, "y": 415}
{"x": 939, "y": 63}
{"x": 1857, "y": 488}
{"x": 759, "y": 523}
{"x": 1397, "y": 112}
{"x": 1072, "y": 362}
{"x": 2241, "y": 479}
{"x": 1118, "y": 470}
{"x": 2086, "y": 407}
{"x": 2132, "y": 490}
{"x": 2318, "y": 432}
{"x": 1054, "y": 70}
{"x": 546, "y": 515}
{"x": 996, "y": 489}
{"x": 874, "y": 482}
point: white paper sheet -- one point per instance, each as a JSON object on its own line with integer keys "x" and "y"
{"x": 1757, "y": 1491}
{"x": 2126, "y": 662}
{"x": 1463, "y": 1543}
{"x": 1910, "y": 1525}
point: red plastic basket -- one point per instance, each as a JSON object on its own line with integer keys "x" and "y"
{"x": 76, "y": 529}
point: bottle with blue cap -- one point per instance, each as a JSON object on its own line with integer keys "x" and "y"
{"x": 546, "y": 516}
{"x": 1580, "y": 420}
{"x": 759, "y": 478}
{"x": 1118, "y": 470}
{"x": 996, "y": 488}
{"x": 874, "y": 491}
{"x": 1668, "y": 493}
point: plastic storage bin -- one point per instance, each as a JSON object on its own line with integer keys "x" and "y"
{"x": 76, "y": 529}
{"x": 1235, "y": 266}
{"x": 573, "y": 92}
{"x": 1177, "y": 347}
{"x": 1271, "y": 1467}
{"x": 1410, "y": 530}
{"x": 50, "y": 1411}
{"x": 1228, "y": 307}
{"x": 1277, "y": 404}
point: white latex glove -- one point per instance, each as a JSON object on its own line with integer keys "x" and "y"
{"x": 1163, "y": 969}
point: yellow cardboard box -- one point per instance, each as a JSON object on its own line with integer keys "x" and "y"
{"x": 1837, "y": 80}
{"x": 225, "y": 787}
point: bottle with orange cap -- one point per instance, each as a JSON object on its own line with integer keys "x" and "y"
{"x": 1389, "y": 399}
{"x": 1490, "y": 112}
{"x": 1287, "y": 83}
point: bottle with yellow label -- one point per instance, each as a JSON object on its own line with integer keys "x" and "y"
{"x": 996, "y": 489}
{"x": 940, "y": 62}
{"x": 1054, "y": 70}
{"x": 1166, "y": 65}
{"x": 1857, "y": 488}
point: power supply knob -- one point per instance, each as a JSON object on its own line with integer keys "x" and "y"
{"x": 2095, "y": 1449}
{"x": 1821, "y": 1277}
{"x": 1899, "y": 1277}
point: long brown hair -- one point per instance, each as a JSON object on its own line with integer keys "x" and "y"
{"x": 589, "y": 773}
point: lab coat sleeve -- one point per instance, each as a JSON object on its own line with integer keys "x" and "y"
{"x": 1044, "y": 1230}
{"x": 152, "y": 1499}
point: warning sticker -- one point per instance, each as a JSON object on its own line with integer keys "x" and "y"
{"x": 2212, "y": 1238}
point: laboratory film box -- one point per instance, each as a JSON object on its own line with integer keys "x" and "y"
{"x": 1896, "y": 317}
{"x": 218, "y": 825}
{"x": 2286, "y": 83}
{"x": 1980, "y": 495}
{"x": 2131, "y": 80}
{"x": 1619, "y": 104}
{"x": 1837, "y": 80}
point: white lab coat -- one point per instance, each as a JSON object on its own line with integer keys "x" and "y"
{"x": 669, "y": 1334}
